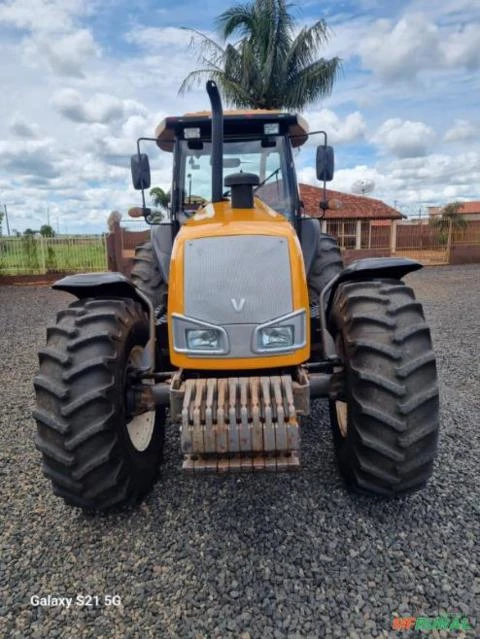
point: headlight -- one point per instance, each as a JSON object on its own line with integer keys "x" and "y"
{"x": 278, "y": 336}
{"x": 282, "y": 335}
{"x": 197, "y": 339}
{"x": 203, "y": 339}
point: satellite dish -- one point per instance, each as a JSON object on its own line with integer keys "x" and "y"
{"x": 363, "y": 186}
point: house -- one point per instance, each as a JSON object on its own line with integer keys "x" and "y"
{"x": 470, "y": 211}
{"x": 361, "y": 222}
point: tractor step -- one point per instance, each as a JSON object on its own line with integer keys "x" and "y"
{"x": 239, "y": 424}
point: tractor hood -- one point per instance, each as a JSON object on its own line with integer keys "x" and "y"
{"x": 234, "y": 271}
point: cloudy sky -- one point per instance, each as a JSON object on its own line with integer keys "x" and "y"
{"x": 82, "y": 79}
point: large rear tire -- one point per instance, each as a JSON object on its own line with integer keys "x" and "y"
{"x": 147, "y": 277}
{"x": 385, "y": 428}
{"x": 96, "y": 456}
{"x": 327, "y": 263}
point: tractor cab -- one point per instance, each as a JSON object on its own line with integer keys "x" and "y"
{"x": 258, "y": 142}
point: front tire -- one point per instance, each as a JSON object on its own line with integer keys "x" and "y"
{"x": 385, "y": 427}
{"x": 96, "y": 456}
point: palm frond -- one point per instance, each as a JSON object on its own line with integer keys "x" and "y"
{"x": 207, "y": 44}
{"x": 236, "y": 19}
{"x": 304, "y": 48}
{"x": 312, "y": 82}
{"x": 195, "y": 78}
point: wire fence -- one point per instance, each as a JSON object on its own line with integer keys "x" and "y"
{"x": 37, "y": 255}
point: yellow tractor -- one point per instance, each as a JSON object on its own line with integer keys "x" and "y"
{"x": 237, "y": 314}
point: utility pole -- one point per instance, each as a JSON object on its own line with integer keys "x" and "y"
{"x": 6, "y": 219}
{"x": 58, "y": 226}
{"x": 48, "y": 216}
{"x": 421, "y": 228}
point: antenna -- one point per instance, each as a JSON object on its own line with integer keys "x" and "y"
{"x": 363, "y": 186}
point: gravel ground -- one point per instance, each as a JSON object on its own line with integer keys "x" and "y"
{"x": 251, "y": 557}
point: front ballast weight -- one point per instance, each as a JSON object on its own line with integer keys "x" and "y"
{"x": 238, "y": 424}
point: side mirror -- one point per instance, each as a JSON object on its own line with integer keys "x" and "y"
{"x": 140, "y": 167}
{"x": 325, "y": 163}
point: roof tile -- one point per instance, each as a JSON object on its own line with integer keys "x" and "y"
{"x": 354, "y": 206}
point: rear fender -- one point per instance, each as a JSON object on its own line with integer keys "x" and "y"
{"x": 370, "y": 268}
{"x": 102, "y": 285}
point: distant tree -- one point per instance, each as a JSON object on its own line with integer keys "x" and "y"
{"x": 449, "y": 221}
{"x": 28, "y": 232}
{"x": 47, "y": 231}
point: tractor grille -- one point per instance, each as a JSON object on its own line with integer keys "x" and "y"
{"x": 241, "y": 279}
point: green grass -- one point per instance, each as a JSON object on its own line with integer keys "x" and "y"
{"x": 25, "y": 256}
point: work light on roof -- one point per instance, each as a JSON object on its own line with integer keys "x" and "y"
{"x": 191, "y": 133}
{"x": 271, "y": 128}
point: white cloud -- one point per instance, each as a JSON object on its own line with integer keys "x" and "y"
{"x": 345, "y": 178}
{"x": 350, "y": 129}
{"x": 462, "y": 130}
{"x": 42, "y": 15}
{"x": 155, "y": 38}
{"x": 411, "y": 182}
{"x": 400, "y": 50}
{"x": 404, "y": 138}
{"x": 20, "y": 127}
{"x": 34, "y": 159}
{"x": 101, "y": 107}
{"x": 65, "y": 54}
{"x": 438, "y": 170}
{"x": 461, "y": 48}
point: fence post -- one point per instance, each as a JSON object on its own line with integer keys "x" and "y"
{"x": 118, "y": 246}
{"x": 105, "y": 250}
{"x": 449, "y": 241}
{"x": 43, "y": 265}
{"x": 393, "y": 237}
{"x": 358, "y": 235}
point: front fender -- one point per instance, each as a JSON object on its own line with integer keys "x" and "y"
{"x": 372, "y": 268}
{"x": 101, "y": 285}
{"x": 367, "y": 269}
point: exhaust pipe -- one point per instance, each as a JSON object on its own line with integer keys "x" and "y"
{"x": 217, "y": 141}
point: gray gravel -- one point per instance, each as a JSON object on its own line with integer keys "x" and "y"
{"x": 251, "y": 557}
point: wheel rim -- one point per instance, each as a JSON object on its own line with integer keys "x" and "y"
{"x": 140, "y": 427}
{"x": 341, "y": 410}
{"x": 140, "y": 430}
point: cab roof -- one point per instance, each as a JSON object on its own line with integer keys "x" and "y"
{"x": 235, "y": 123}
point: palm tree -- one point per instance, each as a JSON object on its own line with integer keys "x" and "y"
{"x": 449, "y": 221}
{"x": 274, "y": 65}
{"x": 160, "y": 197}
{"x": 161, "y": 200}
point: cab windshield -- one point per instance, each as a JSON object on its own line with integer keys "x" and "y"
{"x": 266, "y": 158}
